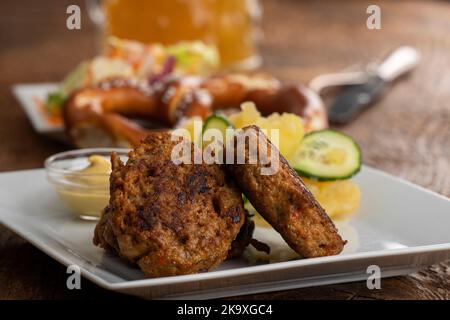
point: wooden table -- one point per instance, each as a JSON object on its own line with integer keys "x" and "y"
{"x": 406, "y": 134}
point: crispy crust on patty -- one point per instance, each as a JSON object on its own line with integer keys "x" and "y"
{"x": 284, "y": 201}
{"x": 169, "y": 219}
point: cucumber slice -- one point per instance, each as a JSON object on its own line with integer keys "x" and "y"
{"x": 215, "y": 122}
{"x": 327, "y": 155}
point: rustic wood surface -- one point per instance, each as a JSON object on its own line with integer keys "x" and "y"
{"x": 406, "y": 134}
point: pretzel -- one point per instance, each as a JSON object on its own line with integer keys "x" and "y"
{"x": 103, "y": 115}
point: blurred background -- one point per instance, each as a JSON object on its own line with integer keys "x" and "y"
{"x": 298, "y": 41}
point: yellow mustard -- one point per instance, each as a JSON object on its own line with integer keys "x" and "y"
{"x": 90, "y": 191}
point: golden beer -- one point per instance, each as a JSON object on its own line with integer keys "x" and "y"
{"x": 227, "y": 24}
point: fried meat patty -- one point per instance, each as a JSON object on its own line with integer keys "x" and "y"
{"x": 170, "y": 219}
{"x": 283, "y": 199}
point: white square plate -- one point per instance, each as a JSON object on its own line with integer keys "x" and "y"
{"x": 399, "y": 226}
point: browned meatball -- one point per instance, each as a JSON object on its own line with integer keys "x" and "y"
{"x": 170, "y": 219}
{"x": 283, "y": 199}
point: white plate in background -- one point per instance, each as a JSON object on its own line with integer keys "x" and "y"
{"x": 399, "y": 226}
{"x": 31, "y": 97}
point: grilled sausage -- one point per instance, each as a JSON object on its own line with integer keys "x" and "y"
{"x": 282, "y": 198}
